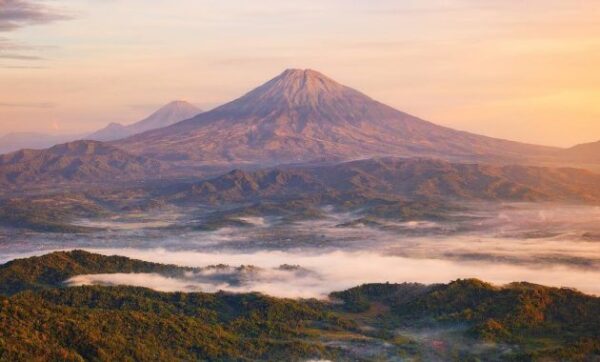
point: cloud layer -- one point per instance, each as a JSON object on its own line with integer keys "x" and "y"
{"x": 16, "y": 14}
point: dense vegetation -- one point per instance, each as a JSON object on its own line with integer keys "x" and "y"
{"x": 545, "y": 322}
{"x": 109, "y": 324}
{"x": 51, "y": 270}
{"x": 462, "y": 320}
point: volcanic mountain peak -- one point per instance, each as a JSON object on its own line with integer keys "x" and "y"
{"x": 303, "y": 94}
{"x": 302, "y": 87}
{"x": 302, "y": 115}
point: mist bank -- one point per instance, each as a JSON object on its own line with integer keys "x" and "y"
{"x": 330, "y": 271}
{"x": 549, "y": 244}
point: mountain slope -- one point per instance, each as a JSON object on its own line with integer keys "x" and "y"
{"x": 586, "y": 152}
{"x": 404, "y": 178}
{"x": 79, "y": 161}
{"x": 167, "y": 115}
{"x": 302, "y": 115}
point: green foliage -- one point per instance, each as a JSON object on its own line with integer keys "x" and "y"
{"x": 121, "y": 323}
{"x": 466, "y": 319}
{"x": 53, "y": 269}
{"x": 540, "y": 320}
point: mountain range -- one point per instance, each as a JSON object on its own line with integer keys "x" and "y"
{"x": 404, "y": 178}
{"x": 299, "y": 117}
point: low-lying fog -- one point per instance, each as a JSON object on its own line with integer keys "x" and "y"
{"x": 546, "y": 244}
{"x": 333, "y": 270}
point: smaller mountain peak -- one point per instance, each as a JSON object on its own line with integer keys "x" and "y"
{"x": 170, "y": 113}
{"x": 114, "y": 126}
{"x": 178, "y": 104}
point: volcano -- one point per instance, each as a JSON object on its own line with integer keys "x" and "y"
{"x": 303, "y": 115}
{"x": 167, "y": 115}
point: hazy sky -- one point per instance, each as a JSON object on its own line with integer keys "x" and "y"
{"x": 524, "y": 70}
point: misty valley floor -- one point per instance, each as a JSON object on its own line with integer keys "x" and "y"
{"x": 555, "y": 245}
{"x": 301, "y": 221}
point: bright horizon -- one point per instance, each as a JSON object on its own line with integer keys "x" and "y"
{"x": 525, "y": 72}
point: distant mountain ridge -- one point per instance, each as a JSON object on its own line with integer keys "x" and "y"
{"x": 404, "y": 178}
{"x": 302, "y": 115}
{"x": 167, "y": 115}
{"x": 79, "y": 161}
{"x": 33, "y": 140}
{"x": 299, "y": 117}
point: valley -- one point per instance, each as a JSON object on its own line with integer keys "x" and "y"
{"x": 303, "y": 181}
{"x": 303, "y": 220}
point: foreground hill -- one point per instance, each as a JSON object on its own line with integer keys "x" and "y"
{"x": 462, "y": 320}
{"x": 51, "y": 270}
{"x": 402, "y": 178}
{"x": 167, "y": 115}
{"x": 302, "y": 115}
{"x": 79, "y": 161}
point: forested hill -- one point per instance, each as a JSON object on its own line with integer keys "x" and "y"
{"x": 51, "y": 270}
{"x": 462, "y": 320}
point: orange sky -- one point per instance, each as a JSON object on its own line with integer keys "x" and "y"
{"x": 526, "y": 71}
